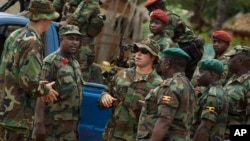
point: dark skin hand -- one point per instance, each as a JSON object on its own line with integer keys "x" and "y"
{"x": 202, "y": 132}
{"x": 160, "y": 129}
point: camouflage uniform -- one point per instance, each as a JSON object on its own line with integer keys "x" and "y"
{"x": 174, "y": 99}
{"x": 186, "y": 34}
{"x": 122, "y": 125}
{"x": 162, "y": 39}
{"x": 81, "y": 15}
{"x": 238, "y": 89}
{"x": 213, "y": 105}
{"x": 61, "y": 117}
{"x": 20, "y": 70}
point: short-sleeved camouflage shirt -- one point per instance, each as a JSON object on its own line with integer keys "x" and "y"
{"x": 213, "y": 105}
{"x": 174, "y": 100}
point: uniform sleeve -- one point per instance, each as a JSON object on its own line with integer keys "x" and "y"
{"x": 167, "y": 103}
{"x": 29, "y": 75}
{"x": 211, "y": 108}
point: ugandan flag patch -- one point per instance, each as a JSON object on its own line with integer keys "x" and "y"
{"x": 210, "y": 108}
{"x": 166, "y": 98}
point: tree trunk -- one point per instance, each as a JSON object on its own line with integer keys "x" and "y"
{"x": 221, "y": 13}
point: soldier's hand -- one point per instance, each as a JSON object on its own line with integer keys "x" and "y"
{"x": 141, "y": 101}
{"x": 107, "y": 100}
{"x": 52, "y": 95}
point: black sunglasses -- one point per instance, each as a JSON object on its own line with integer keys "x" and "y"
{"x": 142, "y": 50}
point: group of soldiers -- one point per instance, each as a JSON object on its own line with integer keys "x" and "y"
{"x": 171, "y": 92}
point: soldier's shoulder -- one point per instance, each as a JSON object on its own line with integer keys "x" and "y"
{"x": 50, "y": 58}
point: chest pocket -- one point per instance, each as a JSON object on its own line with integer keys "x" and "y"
{"x": 66, "y": 82}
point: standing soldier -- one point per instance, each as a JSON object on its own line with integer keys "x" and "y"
{"x": 20, "y": 71}
{"x": 168, "y": 110}
{"x": 180, "y": 33}
{"x": 128, "y": 87}
{"x": 212, "y": 107}
{"x": 61, "y": 117}
{"x": 238, "y": 87}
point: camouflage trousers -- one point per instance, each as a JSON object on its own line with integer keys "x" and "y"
{"x": 14, "y": 135}
{"x": 61, "y": 130}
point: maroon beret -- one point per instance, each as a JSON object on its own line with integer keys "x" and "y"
{"x": 159, "y": 14}
{"x": 222, "y": 35}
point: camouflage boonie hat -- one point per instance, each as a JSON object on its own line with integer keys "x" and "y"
{"x": 69, "y": 29}
{"x": 40, "y": 9}
{"x": 239, "y": 49}
{"x": 149, "y": 44}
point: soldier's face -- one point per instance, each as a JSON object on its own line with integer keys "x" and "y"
{"x": 203, "y": 77}
{"x": 70, "y": 43}
{"x": 143, "y": 58}
{"x": 156, "y": 26}
{"x": 219, "y": 46}
{"x": 234, "y": 63}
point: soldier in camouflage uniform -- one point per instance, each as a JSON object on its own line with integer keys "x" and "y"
{"x": 168, "y": 109}
{"x": 238, "y": 87}
{"x": 128, "y": 87}
{"x": 212, "y": 107}
{"x": 61, "y": 117}
{"x": 20, "y": 67}
{"x": 180, "y": 33}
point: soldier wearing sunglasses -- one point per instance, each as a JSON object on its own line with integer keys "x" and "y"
{"x": 127, "y": 91}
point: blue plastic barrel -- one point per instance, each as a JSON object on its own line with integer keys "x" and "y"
{"x": 93, "y": 120}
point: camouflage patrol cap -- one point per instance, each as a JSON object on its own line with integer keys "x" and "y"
{"x": 40, "y": 9}
{"x": 176, "y": 53}
{"x": 149, "y": 44}
{"x": 239, "y": 49}
{"x": 69, "y": 29}
{"x": 213, "y": 65}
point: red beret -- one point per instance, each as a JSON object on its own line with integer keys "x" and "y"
{"x": 222, "y": 35}
{"x": 159, "y": 14}
{"x": 149, "y": 2}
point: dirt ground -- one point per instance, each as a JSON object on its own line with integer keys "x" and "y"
{"x": 13, "y": 9}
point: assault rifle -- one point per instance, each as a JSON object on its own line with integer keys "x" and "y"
{"x": 121, "y": 61}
